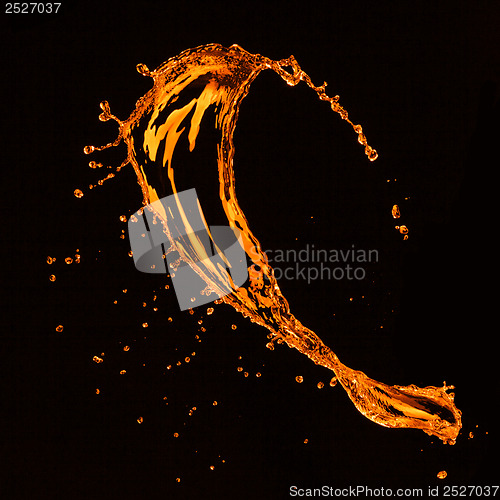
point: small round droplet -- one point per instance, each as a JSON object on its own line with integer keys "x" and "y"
{"x": 50, "y": 260}
{"x": 123, "y": 372}
{"x": 144, "y": 325}
{"x": 143, "y": 69}
{"x": 88, "y": 149}
{"x": 395, "y": 212}
{"x": 52, "y": 277}
{"x": 333, "y": 382}
{"x": 59, "y": 328}
{"x": 210, "y": 310}
{"x": 68, "y": 260}
{"x": 299, "y": 379}
{"x": 126, "y": 348}
{"x": 234, "y": 327}
{"x": 78, "y": 193}
{"x": 320, "y": 385}
{"x": 442, "y": 474}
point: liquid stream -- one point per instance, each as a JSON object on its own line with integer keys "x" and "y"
{"x": 221, "y": 78}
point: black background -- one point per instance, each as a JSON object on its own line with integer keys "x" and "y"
{"x": 422, "y": 78}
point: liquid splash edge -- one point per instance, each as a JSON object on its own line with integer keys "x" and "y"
{"x": 220, "y": 78}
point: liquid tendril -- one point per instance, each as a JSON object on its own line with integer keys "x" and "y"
{"x": 220, "y": 78}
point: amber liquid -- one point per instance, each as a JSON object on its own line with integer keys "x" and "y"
{"x": 221, "y": 78}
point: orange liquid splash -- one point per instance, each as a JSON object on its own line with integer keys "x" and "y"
{"x": 220, "y": 78}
